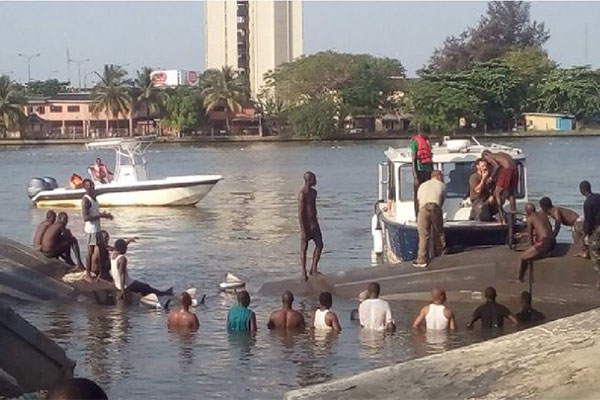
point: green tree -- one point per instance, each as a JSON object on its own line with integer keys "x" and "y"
{"x": 12, "y": 102}
{"x": 147, "y": 98}
{"x": 505, "y": 26}
{"x": 573, "y": 91}
{"x": 184, "y": 110}
{"x": 47, "y": 88}
{"x": 314, "y": 118}
{"x": 224, "y": 88}
{"x": 111, "y": 94}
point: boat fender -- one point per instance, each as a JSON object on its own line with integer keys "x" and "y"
{"x": 377, "y": 235}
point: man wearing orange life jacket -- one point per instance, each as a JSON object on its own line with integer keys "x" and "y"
{"x": 100, "y": 172}
{"x": 422, "y": 162}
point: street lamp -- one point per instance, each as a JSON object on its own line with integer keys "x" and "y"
{"x": 79, "y": 62}
{"x": 29, "y": 57}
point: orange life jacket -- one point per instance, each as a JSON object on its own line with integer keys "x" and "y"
{"x": 76, "y": 181}
{"x": 424, "y": 150}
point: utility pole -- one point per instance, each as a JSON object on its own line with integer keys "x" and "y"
{"x": 68, "y": 67}
{"x": 28, "y": 57}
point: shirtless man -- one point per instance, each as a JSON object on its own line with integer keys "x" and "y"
{"x": 309, "y": 225}
{"x": 58, "y": 241}
{"x": 540, "y": 236}
{"x": 506, "y": 176}
{"x": 92, "y": 227}
{"x": 286, "y": 318}
{"x": 183, "y": 318}
{"x": 436, "y": 315}
{"x": 564, "y": 216}
{"x": 39, "y": 232}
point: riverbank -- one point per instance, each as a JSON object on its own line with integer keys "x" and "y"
{"x": 557, "y": 360}
{"x": 287, "y": 138}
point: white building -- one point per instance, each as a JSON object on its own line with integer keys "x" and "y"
{"x": 253, "y": 36}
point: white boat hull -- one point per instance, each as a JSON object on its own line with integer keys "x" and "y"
{"x": 180, "y": 191}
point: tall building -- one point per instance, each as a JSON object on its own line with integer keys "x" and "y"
{"x": 253, "y": 36}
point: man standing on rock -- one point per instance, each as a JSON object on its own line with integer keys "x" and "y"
{"x": 309, "y": 225}
{"x": 591, "y": 224}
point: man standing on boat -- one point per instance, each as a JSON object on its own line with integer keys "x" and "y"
{"x": 591, "y": 224}
{"x": 422, "y": 163}
{"x": 430, "y": 220}
{"x": 506, "y": 175}
{"x": 92, "y": 227}
{"x": 309, "y": 225}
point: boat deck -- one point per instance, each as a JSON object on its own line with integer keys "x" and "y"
{"x": 561, "y": 278}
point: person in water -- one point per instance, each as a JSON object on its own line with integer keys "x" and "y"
{"x": 183, "y": 318}
{"x": 375, "y": 313}
{"x": 41, "y": 229}
{"x": 323, "y": 318}
{"x": 591, "y": 224}
{"x": 491, "y": 314}
{"x": 506, "y": 176}
{"x": 528, "y": 314}
{"x": 436, "y": 315}
{"x": 565, "y": 216}
{"x": 120, "y": 275}
{"x": 92, "y": 227}
{"x": 309, "y": 225}
{"x": 76, "y": 389}
{"x": 240, "y": 318}
{"x": 58, "y": 241}
{"x": 286, "y": 318}
{"x": 540, "y": 236}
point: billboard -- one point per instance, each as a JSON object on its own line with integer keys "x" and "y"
{"x": 175, "y": 77}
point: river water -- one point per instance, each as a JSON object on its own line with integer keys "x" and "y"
{"x": 248, "y": 226}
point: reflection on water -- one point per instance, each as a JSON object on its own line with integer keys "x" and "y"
{"x": 248, "y": 226}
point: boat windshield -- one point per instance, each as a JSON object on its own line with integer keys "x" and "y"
{"x": 456, "y": 178}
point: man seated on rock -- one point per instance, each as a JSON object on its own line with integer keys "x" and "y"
{"x": 183, "y": 318}
{"x": 119, "y": 272}
{"x": 58, "y": 241}
{"x": 41, "y": 229}
{"x": 375, "y": 313}
{"x": 287, "y": 318}
{"x": 436, "y": 315}
{"x": 104, "y": 252}
{"x": 491, "y": 314}
{"x": 565, "y": 216}
{"x": 528, "y": 314}
{"x": 540, "y": 236}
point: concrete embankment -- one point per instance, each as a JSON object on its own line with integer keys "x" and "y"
{"x": 557, "y": 360}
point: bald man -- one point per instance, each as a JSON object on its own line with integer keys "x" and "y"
{"x": 286, "y": 318}
{"x": 183, "y": 318}
{"x": 309, "y": 225}
{"x": 430, "y": 220}
{"x": 541, "y": 238}
{"x": 42, "y": 228}
{"x": 436, "y": 315}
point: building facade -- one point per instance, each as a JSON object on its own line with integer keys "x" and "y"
{"x": 549, "y": 122}
{"x": 253, "y": 36}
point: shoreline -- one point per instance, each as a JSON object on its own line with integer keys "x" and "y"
{"x": 347, "y": 137}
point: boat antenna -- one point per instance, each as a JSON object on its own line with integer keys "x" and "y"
{"x": 476, "y": 141}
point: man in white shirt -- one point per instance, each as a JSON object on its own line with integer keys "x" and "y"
{"x": 375, "y": 313}
{"x": 430, "y": 220}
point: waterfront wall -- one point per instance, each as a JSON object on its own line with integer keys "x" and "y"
{"x": 557, "y": 360}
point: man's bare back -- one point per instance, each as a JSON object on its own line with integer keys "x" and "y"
{"x": 503, "y": 160}
{"x": 286, "y": 319}
{"x": 52, "y": 236}
{"x": 183, "y": 319}
{"x": 39, "y": 233}
{"x": 540, "y": 225}
{"x": 565, "y": 216}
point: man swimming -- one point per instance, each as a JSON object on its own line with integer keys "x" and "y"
{"x": 183, "y": 318}
{"x": 323, "y": 318}
{"x": 564, "y": 216}
{"x": 286, "y": 318}
{"x": 58, "y": 241}
{"x": 309, "y": 225}
{"x": 490, "y": 313}
{"x": 506, "y": 175}
{"x": 436, "y": 315}
{"x": 120, "y": 274}
{"x": 528, "y": 313}
{"x": 39, "y": 232}
{"x": 540, "y": 236}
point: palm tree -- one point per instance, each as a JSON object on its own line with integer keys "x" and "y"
{"x": 225, "y": 88}
{"x": 111, "y": 95}
{"x": 146, "y": 97}
{"x": 11, "y": 106}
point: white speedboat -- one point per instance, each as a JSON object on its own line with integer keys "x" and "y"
{"x": 394, "y": 226}
{"x": 131, "y": 185}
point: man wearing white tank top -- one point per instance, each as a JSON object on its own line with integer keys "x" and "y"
{"x": 92, "y": 228}
{"x": 323, "y": 318}
{"x": 436, "y": 315}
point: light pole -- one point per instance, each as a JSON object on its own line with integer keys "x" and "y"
{"x": 79, "y": 62}
{"x": 29, "y": 57}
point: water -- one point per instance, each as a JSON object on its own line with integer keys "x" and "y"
{"x": 247, "y": 225}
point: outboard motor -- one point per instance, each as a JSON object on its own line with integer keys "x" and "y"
{"x": 36, "y": 185}
{"x": 51, "y": 182}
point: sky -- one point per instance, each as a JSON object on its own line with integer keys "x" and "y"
{"x": 170, "y": 35}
